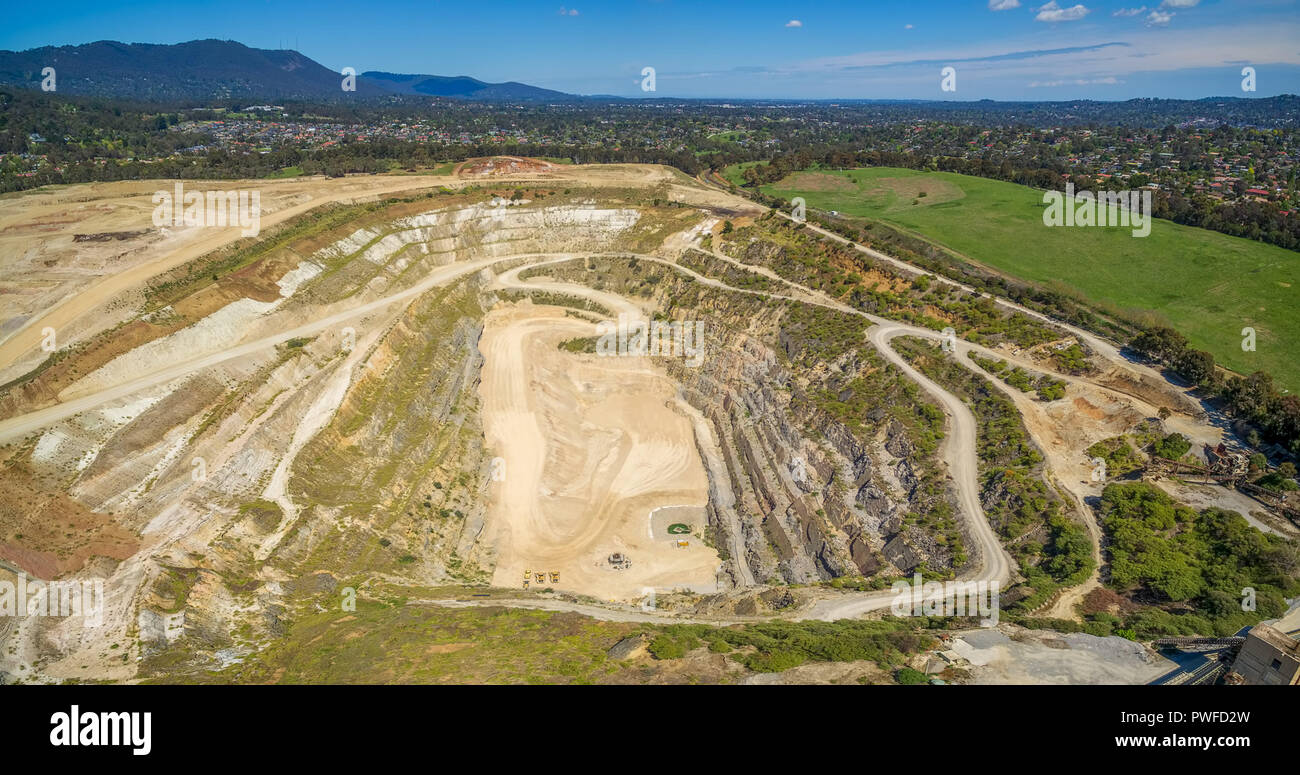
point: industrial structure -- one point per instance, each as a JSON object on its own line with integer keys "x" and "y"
{"x": 1269, "y": 657}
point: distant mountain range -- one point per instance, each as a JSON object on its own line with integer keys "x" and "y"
{"x": 215, "y": 69}
{"x": 461, "y": 86}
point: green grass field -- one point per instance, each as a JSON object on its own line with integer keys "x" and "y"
{"x": 288, "y": 172}
{"x": 1206, "y": 285}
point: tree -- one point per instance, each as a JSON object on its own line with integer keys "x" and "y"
{"x": 1252, "y": 397}
{"x": 1173, "y": 446}
{"x": 1177, "y": 580}
{"x": 1160, "y": 343}
{"x": 1284, "y": 421}
{"x": 1196, "y": 366}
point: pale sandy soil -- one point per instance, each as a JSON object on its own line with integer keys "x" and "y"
{"x": 49, "y": 279}
{"x": 591, "y": 446}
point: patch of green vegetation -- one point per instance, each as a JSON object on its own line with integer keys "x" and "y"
{"x": 1030, "y": 518}
{"x": 735, "y": 173}
{"x": 730, "y": 136}
{"x": 1119, "y": 455}
{"x": 1048, "y": 388}
{"x": 847, "y": 275}
{"x": 999, "y": 224}
{"x": 389, "y": 640}
{"x": 814, "y": 333}
{"x": 174, "y": 584}
{"x": 1193, "y": 567}
{"x": 582, "y": 344}
{"x": 557, "y": 300}
{"x": 266, "y": 515}
{"x": 909, "y": 677}
{"x": 1072, "y": 360}
{"x": 285, "y": 172}
{"x": 1280, "y": 480}
{"x": 393, "y": 642}
{"x": 1172, "y": 447}
{"x": 771, "y": 647}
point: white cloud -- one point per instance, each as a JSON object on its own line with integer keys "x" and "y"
{"x": 1109, "y": 80}
{"x": 907, "y": 26}
{"x": 1158, "y": 19}
{"x": 1055, "y": 13}
{"x": 1179, "y": 3}
{"x": 568, "y": 11}
{"x": 1003, "y": 5}
{"x": 904, "y": 69}
{"x": 1130, "y": 11}
{"x": 794, "y": 23}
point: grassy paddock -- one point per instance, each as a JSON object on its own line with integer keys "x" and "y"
{"x": 1205, "y": 284}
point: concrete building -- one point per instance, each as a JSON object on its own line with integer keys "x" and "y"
{"x": 1269, "y": 657}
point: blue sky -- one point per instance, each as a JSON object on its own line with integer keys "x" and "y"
{"x": 1001, "y": 49}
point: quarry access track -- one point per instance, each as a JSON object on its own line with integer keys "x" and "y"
{"x": 990, "y": 562}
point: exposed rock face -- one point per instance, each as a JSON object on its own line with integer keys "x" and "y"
{"x": 629, "y": 648}
{"x": 228, "y": 513}
{"x": 808, "y": 510}
{"x": 811, "y": 498}
{"x": 392, "y": 483}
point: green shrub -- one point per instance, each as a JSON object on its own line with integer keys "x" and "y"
{"x": 909, "y": 677}
{"x": 1173, "y": 446}
{"x": 666, "y": 647}
{"x": 1166, "y": 551}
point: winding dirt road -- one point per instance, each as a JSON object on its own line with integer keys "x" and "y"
{"x": 990, "y": 562}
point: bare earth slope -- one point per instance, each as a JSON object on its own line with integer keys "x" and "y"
{"x": 390, "y": 390}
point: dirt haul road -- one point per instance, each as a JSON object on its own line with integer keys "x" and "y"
{"x": 125, "y": 206}
{"x": 195, "y": 242}
{"x": 990, "y": 562}
{"x": 16, "y": 427}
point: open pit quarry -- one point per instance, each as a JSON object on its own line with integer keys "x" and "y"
{"x": 399, "y": 384}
